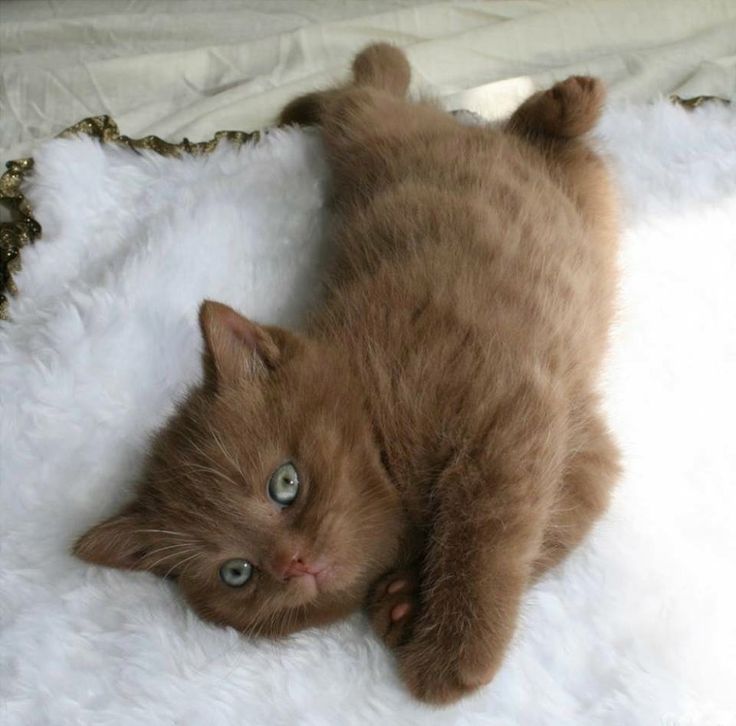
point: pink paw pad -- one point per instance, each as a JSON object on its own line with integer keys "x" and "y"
{"x": 399, "y": 611}
{"x": 396, "y": 586}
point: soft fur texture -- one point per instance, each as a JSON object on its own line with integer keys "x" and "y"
{"x": 437, "y": 422}
{"x": 635, "y": 628}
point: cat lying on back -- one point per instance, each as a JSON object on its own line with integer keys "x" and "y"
{"x": 432, "y": 442}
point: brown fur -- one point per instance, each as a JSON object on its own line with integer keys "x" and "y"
{"x": 441, "y": 406}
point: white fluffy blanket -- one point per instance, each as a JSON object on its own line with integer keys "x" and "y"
{"x": 636, "y": 628}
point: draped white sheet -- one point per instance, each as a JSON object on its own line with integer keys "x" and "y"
{"x": 191, "y": 67}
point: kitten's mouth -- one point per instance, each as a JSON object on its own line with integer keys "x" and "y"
{"x": 315, "y": 581}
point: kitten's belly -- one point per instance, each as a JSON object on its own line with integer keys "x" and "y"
{"x": 450, "y": 297}
{"x": 471, "y": 265}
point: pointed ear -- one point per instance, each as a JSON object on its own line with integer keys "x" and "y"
{"x": 235, "y": 347}
{"x": 116, "y": 542}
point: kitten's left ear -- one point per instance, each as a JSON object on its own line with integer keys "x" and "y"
{"x": 116, "y": 542}
{"x": 235, "y": 347}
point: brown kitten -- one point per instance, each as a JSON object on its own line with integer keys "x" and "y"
{"x": 432, "y": 442}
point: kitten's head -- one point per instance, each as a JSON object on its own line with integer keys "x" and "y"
{"x": 264, "y": 495}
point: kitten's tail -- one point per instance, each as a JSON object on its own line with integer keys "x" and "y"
{"x": 380, "y": 66}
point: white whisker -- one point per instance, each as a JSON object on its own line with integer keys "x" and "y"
{"x": 180, "y": 563}
{"x": 225, "y": 452}
{"x": 167, "y": 557}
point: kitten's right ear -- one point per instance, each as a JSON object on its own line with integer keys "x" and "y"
{"x": 116, "y": 542}
{"x": 235, "y": 347}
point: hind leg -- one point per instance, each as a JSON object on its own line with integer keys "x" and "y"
{"x": 591, "y": 471}
{"x": 565, "y": 111}
{"x": 370, "y": 139}
{"x": 554, "y": 121}
{"x": 379, "y": 66}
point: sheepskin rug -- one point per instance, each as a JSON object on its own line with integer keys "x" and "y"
{"x": 638, "y": 627}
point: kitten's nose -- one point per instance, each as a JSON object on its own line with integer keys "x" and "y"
{"x": 288, "y": 566}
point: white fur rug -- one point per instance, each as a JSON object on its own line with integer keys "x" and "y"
{"x": 637, "y": 628}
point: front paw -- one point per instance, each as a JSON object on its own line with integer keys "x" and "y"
{"x": 392, "y": 606}
{"x": 440, "y": 671}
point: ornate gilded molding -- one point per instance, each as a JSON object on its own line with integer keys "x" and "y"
{"x": 695, "y": 101}
{"x": 24, "y": 229}
{"x": 21, "y": 231}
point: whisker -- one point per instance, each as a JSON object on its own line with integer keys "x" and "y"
{"x": 225, "y": 452}
{"x": 203, "y": 453}
{"x": 171, "y": 547}
{"x": 166, "y": 557}
{"x": 200, "y": 554}
{"x": 194, "y": 469}
{"x": 180, "y": 563}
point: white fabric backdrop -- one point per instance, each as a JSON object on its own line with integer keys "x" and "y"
{"x": 192, "y": 67}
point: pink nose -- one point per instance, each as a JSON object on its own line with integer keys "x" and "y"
{"x": 286, "y": 567}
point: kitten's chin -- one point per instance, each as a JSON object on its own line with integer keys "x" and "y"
{"x": 306, "y": 588}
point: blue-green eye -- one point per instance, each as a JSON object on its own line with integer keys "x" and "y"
{"x": 235, "y": 573}
{"x": 283, "y": 486}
